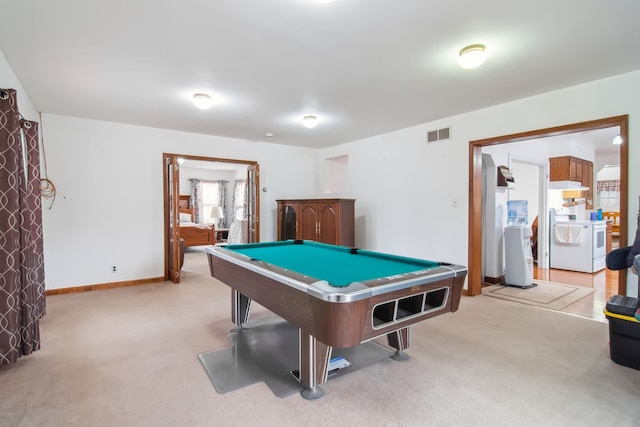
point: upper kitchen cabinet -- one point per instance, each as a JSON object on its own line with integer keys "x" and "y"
{"x": 565, "y": 168}
{"x": 569, "y": 168}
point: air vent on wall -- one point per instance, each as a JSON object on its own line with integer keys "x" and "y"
{"x": 439, "y": 134}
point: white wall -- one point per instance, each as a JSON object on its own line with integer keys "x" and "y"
{"x": 406, "y": 188}
{"x": 109, "y": 207}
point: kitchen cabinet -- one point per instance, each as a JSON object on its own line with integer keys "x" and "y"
{"x": 569, "y": 168}
{"x": 564, "y": 168}
{"x": 587, "y": 181}
{"x": 322, "y": 220}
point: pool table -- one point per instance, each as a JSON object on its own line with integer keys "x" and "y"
{"x": 338, "y": 297}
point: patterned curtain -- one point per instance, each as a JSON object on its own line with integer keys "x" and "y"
{"x": 223, "y": 203}
{"x": 22, "y": 300}
{"x": 608, "y": 185}
{"x": 196, "y": 199}
{"x": 240, "y": 199}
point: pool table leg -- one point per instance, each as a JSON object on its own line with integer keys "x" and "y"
{"x": 313, "y": 362}
{"x": 400, "y": 341}
{"x": 240, "y": 309}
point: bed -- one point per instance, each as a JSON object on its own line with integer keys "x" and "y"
{"x": 193, "y": 234}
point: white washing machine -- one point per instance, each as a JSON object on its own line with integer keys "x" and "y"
{"x": 576, "y": 245}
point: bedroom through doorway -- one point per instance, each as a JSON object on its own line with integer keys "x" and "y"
{"x": 193, "y": 221}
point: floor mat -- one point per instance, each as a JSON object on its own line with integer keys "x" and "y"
{"x": 554, "y": 296}
{"x": 267, "y": 351}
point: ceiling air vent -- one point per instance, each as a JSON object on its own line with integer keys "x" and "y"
{"x": 439, "y": 135}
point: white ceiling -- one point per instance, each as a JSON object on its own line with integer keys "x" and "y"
{"x": 364, "y": 67}
{"x": 599, "y": 141}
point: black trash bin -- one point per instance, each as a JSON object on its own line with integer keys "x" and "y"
{"x": 624, "y": 330}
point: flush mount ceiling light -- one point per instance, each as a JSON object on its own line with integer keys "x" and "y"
{"x": 202, "y": 100}
{"x": 617, "y": 140}
{"x": 472, "y": 56}
{"x": 310, "y": 121}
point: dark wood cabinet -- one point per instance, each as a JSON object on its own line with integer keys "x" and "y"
{"x": 322, "y": 220}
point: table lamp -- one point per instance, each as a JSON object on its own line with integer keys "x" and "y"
{"x": 216, "y": 214}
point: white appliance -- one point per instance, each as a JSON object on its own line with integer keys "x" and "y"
{"x": 518, "y": 260}
{"x": 576, "y": 244}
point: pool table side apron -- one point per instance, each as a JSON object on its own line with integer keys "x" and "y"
{"x": 322, "y": 325}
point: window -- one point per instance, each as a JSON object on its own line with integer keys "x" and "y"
{"x": 210, "y": 198}
{"x": 609, "y": 195}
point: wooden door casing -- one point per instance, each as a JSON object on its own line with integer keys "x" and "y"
{"x": 475, "y": 247}
{"x": 171, "y": 202}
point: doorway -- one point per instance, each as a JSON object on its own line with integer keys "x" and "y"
{"x": 176, "y": 191}
{"x": 475, "y": 188}
{"x": 532, "y": 190}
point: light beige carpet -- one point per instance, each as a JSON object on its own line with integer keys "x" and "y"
{"x": 128, "y": 357}
{"x": 554, "y": 296}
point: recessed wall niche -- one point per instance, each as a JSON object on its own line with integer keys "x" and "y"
{"x": 335, "y": 174}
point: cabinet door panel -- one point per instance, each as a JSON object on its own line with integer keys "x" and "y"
{"x": 307, "y": 222}
{"x": 573, "y": 165}
{"x": 587, "y": 181}
{"x": 328, "y": 227}
{"x": 560, "y": 168}
{"x": 579, "y": 165}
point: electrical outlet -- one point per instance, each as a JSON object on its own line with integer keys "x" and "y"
{"x": 114, "y": 269}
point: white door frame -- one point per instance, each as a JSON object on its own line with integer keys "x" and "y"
{"x": 543, "y": 217}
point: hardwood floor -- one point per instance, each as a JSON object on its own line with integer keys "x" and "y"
{"x": 605, "y": 283}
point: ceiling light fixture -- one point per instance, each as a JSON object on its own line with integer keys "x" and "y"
{"x": 472, "y": 56}
{"x": 310, "y": 121}
{"x": 202, "y": 100}
{"x": 617, "y": 140}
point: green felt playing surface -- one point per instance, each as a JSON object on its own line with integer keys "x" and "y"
{"x": 335, "y": 264}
